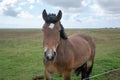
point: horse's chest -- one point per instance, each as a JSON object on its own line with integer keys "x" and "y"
{"x": 52, "y": 68}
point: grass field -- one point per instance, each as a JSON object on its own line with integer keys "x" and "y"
{"x": 21, "y": 54}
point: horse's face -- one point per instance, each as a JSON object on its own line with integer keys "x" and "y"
{"x": 51, "y": 33}
{"x": 51, "y": 40}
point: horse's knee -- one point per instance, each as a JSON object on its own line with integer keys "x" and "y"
{"x": 47, "y": 75}
{"x": 67, "y": 75}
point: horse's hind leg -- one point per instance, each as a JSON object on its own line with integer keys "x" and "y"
{"x": 87, "y": 69}
{"x": 79, "y": 69}
{"x": 83, "y": 74}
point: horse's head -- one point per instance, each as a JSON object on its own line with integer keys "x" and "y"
{"x": 52, "y": 31}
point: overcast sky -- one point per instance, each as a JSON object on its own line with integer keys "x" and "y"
{"x": 76, "y": 13}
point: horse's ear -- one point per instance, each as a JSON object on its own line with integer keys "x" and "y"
{"x": 59, "y": 15}
{"x": 44, "y": 15}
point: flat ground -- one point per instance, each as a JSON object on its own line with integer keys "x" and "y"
{"x": 21, "y": 54}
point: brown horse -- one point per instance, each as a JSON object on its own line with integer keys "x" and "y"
{"x": 63, "y": 54}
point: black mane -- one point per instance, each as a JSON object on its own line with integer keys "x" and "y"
{"x": 62, "y": 33}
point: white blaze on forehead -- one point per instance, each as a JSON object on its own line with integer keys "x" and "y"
{"x": 51, "y": 26}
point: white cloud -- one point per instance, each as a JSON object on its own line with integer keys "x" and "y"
{"x": 18, "y": 8}
{"x": 64, "y": 3}
{"x": 7, "y": 7}
{"x": 9, "y": 1}
{"x": 106, "y": 7}
{"x": 5, "y": 3}
{"x": 85, "y": 2}
{"x": 10, "y": 11}
{"x": 31, "y": 1}
{"x": 97, "y": 9}
{"x": 24, "y": 2}
{"x": 70, "y": 6}
{"x": 88, "y": 20}
{"x": 14, "y": 8}
{"x": 9, "y": 22}
{"x": 31, "y": 7}
{"x": 24, "y": 14}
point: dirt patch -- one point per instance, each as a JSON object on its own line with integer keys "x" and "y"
{"x": 114, "y": 74}
{"x": 39, "y": 78}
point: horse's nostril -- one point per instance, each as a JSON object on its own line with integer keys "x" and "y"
{"x": 44, "y": 54}
{"x": 54, "y": 53}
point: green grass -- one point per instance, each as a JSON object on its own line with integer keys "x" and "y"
{"x": 21, "y": 54}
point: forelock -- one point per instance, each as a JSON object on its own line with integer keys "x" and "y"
{"x": 51, "y": 18}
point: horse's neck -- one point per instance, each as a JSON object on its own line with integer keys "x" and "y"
{"x": 61, "y": 46}
{"x": 63, "y": 43}
{"x": 61, "y": 53}
{"x": 65, "y": 46}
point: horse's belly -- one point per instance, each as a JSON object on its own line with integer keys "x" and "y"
{"x": 81, "y": 58}
{"x": 79, "y": 62}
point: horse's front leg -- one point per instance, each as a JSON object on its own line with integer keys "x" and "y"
{"x": 67, "y": 75}
{"x": 47, "y": 75}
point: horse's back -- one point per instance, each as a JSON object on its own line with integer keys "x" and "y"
{"x": 87, "y": 38}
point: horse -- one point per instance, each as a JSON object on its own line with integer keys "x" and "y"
{"x": 64, "y": 54}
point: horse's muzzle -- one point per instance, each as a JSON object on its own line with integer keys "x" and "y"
{"x": 49, "y": 55}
